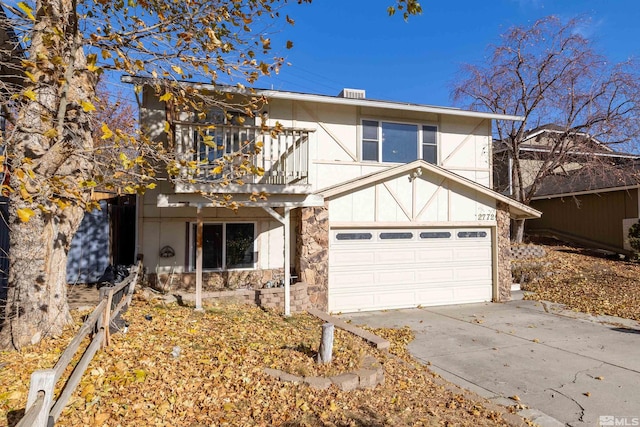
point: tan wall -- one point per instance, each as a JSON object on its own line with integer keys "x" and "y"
{"x": 428, "y": 197}
{"x": 531, "y": 167}
{"x": 463, "y": 142}
{"x": 159, "y": 227}
{"x": 594, "y": 217}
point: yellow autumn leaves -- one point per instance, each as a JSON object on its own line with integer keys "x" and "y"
{"x": 589, "y": 283}
{"x": 219, "y": 378}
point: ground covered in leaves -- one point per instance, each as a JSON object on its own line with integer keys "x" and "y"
{"x": 218, "y": 378}
{"x": 586, "y": 281}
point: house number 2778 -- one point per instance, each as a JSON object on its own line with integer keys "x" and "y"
{"x": 486, "y": 216}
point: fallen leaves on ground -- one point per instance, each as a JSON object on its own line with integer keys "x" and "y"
{"x": 584, "y": 281}
{"x": 218, "y": 378}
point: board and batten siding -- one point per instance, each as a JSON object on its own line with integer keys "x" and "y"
{"x": 464, "y": 143}
{"x": 595, "y": 218}
{"x": 167, "y": 227}
{"x": 427, "y": 198}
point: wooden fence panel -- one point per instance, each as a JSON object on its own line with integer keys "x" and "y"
{"x": 42, "y": 410}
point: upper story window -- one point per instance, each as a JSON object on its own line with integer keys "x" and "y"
{"x": 391, "y": 142}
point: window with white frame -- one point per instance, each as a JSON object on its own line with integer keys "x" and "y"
{"x": 392, "y": 142}
{"x": 225, "y": 246}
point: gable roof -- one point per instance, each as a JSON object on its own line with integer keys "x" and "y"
{"x": 585, "y": 145}
{"x": 516, "y": 209}
{"x": 553, "y": 128}
{"x": 329, "y": 99}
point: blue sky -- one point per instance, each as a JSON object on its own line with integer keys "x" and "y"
{"x": 355, "y": 44}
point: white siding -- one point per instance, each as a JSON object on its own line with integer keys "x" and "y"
{"x": 168, "y": 226}
{"x": 337, "y": 138}
{"x": 428, "y": 199}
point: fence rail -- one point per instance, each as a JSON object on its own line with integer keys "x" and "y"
{"x": 42, "y": 409}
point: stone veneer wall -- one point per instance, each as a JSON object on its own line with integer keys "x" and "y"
{"x": 274, "y": 297}
{"x": 213, "y": 281}
{"x": 266, "y": 298}
{"x": 504, "y": 252}
{"x": 312, "y": 245}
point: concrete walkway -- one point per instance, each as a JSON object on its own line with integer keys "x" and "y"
{"x": 569, "y": 368}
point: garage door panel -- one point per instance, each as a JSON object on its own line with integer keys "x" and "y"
{"x": 472, "y": 294}
{"x": 390, "y": 299}
{"x": 353, "y": 302}
{"x": 434, "y": 267}
{"x": 395, "y": 256}
{"x": 471, "y": 273}
{"x": 355, "y": 279}
{"x": 393, "y": 277}
{"x": 351, "y": 257}
{"x": 432, "y": 255}
{"x": 435, "y": 276}
{"x": 471, "y": 254}
{"x": 435, "y": 296}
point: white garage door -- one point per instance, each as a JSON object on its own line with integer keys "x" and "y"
{"x": 374, "y": 269}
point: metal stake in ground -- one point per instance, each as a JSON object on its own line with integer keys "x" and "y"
{"x": 326, "y": 345}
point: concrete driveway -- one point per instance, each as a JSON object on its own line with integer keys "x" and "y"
{"x": 571, "y": 369}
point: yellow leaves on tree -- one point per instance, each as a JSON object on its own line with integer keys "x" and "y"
{"x": 106, "y": 132}
{"x": 29, "y": 94}
{"x": 166, "y": 97}
{"x": 27, "y": 10}
{"x": 87, "y": 106}
{"x": 25, "y": 214}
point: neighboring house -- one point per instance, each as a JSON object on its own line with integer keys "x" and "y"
{"x": 571, "y": 152}
{"x": 591, "y": 198}
{"x": 373, "y": 204}
{"x": 595, "y": 212}
{"x": 105, "y": 236}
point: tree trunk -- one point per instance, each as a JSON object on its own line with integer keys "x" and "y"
{"x": 37, "y": 295}
{"x": 517, "y": 234}
{"x": 49, "y": 154}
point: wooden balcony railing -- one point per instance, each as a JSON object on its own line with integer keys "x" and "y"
{"x": 228, "y": 152}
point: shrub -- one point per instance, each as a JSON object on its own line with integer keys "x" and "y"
{"x": 634, "y": 238}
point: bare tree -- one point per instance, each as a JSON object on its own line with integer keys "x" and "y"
{"x": 50, "y": 102}
{"x": 549, "y": 73}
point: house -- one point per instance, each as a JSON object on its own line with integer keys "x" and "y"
{"x": 105, "y": 236}
{"x": 571, "y": 151}
{"x": 373, "y": 204}
{"x": 594, "y": 211}
{"x": 590, "y": 197}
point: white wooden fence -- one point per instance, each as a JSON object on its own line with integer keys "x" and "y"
{"x": 42, "y": 408}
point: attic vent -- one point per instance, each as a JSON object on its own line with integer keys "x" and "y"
{"x": 352, "y": 93}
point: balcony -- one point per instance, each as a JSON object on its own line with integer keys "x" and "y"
{"x": 270, "y": 158}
